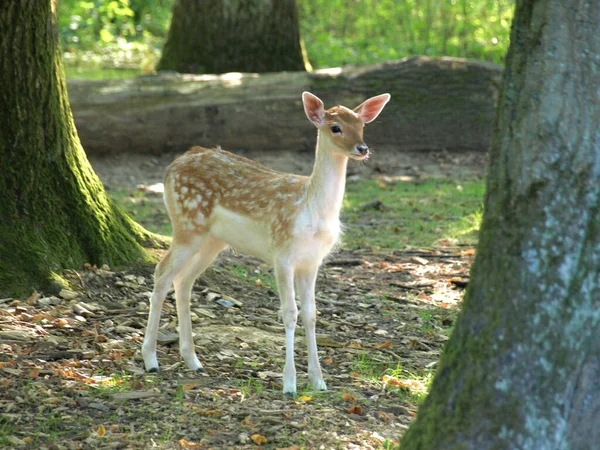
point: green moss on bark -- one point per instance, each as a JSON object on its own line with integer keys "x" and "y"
{"x": 54, "y": 212}
{"x": 522, "y": 367}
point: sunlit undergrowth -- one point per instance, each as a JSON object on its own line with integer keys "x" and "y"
{"x": 395, "y": 214}
{"x": 99, "y": 37}
{"x": 377, "y": 214}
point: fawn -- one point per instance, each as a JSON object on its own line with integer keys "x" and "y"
{"x": 217, "y": 199}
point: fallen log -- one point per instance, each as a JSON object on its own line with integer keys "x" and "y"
{"x": 437, "y": 104}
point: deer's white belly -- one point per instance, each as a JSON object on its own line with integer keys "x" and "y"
{"x": 242, "y": 233}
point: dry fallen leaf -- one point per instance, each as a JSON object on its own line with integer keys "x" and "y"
{"x": 34, "y": 373}
{"x": 382, "y": 184}
{"x": 293, "y": 447}
{"x": 188, "y": 444}
{"x": 356, "y": 410}
{"x": 136, "y": 385}
{"x": 328, "y": 361}
{"x": 248, "y": 422}
{"x": 413, "y": 385}
{"x": 347, "y": 397}
{"x": 33, "y": 299}
{"x": 383, "y": 416}
{"x": 386, "y": 344}
{"x": 258, "y": 439}
{"x": 101, "y": 431}
{"x": 59, "y": 323}
{"x": 304, "y": 398}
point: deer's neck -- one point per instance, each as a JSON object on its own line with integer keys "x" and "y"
{"x": 327, "y": 182}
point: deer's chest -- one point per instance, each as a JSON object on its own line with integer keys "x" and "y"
{"x": 315, "y": 237}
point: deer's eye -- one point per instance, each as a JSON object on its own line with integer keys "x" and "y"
{"x": 336, "y": 129}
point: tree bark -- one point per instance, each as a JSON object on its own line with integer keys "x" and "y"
{"x": 209, "y": 36}
{"x": 522, "y": 368}
{"x": 437, "y": 104}
{"x": 54, "y": 213}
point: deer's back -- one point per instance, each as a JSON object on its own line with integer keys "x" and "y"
{"x": 203, "y": 182}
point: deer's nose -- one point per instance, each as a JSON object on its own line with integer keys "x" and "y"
{"x": 362, "y": 149}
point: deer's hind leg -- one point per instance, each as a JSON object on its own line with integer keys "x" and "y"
{"x": 173, "y": 265}
{"x": 183, "y": 282}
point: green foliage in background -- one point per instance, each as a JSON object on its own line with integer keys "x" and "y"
{"x": 340, "y": 32}
{"x": 116, "y": 34}
{"x": 128, "y": 34}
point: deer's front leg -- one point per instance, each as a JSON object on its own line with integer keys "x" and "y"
{"x": 305, "y": 282}
{"x": 289, "y": 311}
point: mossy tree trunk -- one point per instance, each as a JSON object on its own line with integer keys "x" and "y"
{"x": 522, "y": 368}
{"x": 208, "y": 36}
{"x": 54, "y": 212}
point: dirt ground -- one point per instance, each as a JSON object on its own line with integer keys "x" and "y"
{"x": 71, "y": 374}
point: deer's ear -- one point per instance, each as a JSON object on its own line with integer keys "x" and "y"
{"x": 370, "y": 109}
{"x": 313, "y": 107}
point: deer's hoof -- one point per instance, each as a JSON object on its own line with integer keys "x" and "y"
{"x": 319, "y": 385}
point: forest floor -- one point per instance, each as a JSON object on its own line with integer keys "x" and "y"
{"x": 71, "y": 374}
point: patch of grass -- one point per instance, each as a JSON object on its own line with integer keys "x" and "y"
{"x": 416, "y": 396}
{"x": 167, "y": 435}
{"x": 52, "y": 427}
{"x": 427, "y": 321}
{"x": 94, "y": 72}
{"x": 114, "y": 382}
{"x": 250, "y": 386}
{"x": 368, "y": 367}
{"x": 418, "y": 214}
{"x": 372, "y": 369}
{"x": 6, "y": 429}
{"x": 249, "y": 273}
{"x": 439, "y": 320}
{"x": 147, "y": 210}
{"x": 178, "y": 397}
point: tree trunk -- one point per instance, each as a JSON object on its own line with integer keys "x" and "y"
{"x": 54, "y": 212}
{"x": 437, "y": 104}
{"x": 208, "y": 36}
{"x": 522, "y": 368}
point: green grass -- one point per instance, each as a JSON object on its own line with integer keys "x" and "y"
{"x": 54, "y": 428}
{"x": 99, "y": 73}
{"x": 250, "y": 386}
{"x": 147, "y": 209}
{"x": 371, "y": 369}
{"x": 247, "y": 272}
{"x": 6, "y": 429}
{"x": 427, "y": 320}
{"x": 412, "y": 214}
